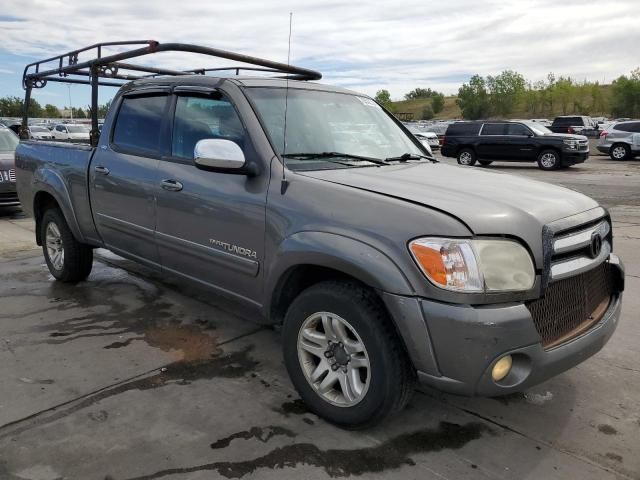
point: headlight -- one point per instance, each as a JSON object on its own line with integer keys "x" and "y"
{"x": 474, "y": 265}
{"x": 571, "y": 144}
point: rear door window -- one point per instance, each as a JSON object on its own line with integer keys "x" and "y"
{"x": 139, "y": 122}
{"x": 493, "y": 129}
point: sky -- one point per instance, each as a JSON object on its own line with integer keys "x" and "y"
{"x": 360, "y": 45}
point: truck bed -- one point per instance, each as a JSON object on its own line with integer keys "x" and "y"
{"x": 63, "y": 166}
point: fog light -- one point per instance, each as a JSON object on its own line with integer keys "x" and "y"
{"x": 502, "y": 368}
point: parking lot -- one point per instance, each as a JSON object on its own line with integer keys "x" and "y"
{"x": 133, "y": 376}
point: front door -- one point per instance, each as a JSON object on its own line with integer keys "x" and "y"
{"x": 124, "y": 178}
{"x": 521, "y": 141}
{"x": 210, "y": 226}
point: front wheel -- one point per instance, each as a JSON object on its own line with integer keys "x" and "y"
{"x": 343, "y": 355}
{"x": 467, "y": 157}
{"x": 549, "y": 160}
{"x": 620, "y": 152}
{"x": 68, "y": 260}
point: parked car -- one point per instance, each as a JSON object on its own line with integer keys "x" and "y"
{"x": 574, "y": 124}
{"x": 621, "y": 141}
{"x": 427, "y": 138}
{"x": 8, "y": 143}
{"x": 484, "y": 142}
{"x": 382, "y": 265}
{"x": 40, "y": 133}
{"x": 71, "y": 132}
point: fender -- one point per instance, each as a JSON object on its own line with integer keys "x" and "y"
{"x": 50, "y": 181}
{"x": 345, "y": 254}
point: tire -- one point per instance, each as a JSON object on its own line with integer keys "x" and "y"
{"x": 549, "y": 160}
{"x": 467, "y": 157}
{"x": 620, "y": 151}
{"x": 485, "y": 163}
{"x": 383, "y": 383}
{"x": 68, "y": 260}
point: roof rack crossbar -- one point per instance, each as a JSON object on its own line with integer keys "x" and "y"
{"x": 109, "y": 67}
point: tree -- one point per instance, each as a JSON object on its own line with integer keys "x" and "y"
{"x": 420, "y": 93}
{"x": 625, "y": 95}
{"x": 473, "y": 98}
{"x": 51, "y": 111}
{"x": 383, "y": 97}
{"x": 505, "y": 89}
{"x": 427, "y": 113}
{"x": 78, "y": 113}
{"x": 437, "y": 102}
{"x": 13, "y": 107}
{"x": 103, "y": 109}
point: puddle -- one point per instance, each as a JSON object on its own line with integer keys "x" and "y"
{"x": 392, "y": 454}
{"x": 294, "y": 407}
{"x": 263, "y": 434}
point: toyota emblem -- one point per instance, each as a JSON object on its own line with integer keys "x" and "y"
{"x": 596, "y": 245}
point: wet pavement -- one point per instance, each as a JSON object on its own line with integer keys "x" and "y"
{"x": 132, "y": 376}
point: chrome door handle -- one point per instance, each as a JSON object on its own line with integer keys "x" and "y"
{"x": 102, "y": 170}
{"x": 171, "y": 185}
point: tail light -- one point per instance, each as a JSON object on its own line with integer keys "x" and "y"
{"x": 570, "y": 130}
{"x": 442, "y": 140}
{"x": 604, "y": 134}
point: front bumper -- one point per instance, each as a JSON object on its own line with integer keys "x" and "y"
{"x": 8, "y": 194}
{"x": 454, "y": 347}
{"x": 571, "y": 157}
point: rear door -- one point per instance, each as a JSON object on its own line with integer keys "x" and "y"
{"x": 211, "y": 225}
{"x": 493, "y": 143}
{"x": 124, "y": 177}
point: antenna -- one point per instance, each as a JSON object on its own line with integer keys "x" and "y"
{"x": 284, "y": 183}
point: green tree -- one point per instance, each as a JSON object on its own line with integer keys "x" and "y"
{"x": 625, "y": 95}
{"x": 78, "y": 112}
{"x": 383, "y": 97}
{"x": 437, "y": 102}
{"x": 13, "y": 107}
{"x": 505, "y": 89}
{"x": 427, "y": 113}
{"x": 420, "y": 93}
{"x": 103, "y": 109}
{"x": 473, "y": 98}
{"x": 51, "y": 111}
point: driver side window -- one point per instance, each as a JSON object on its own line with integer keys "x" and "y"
{"x": 200, "y": 117}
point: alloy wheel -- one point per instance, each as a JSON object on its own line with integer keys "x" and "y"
{"x": 55, "y": 248}
{"x": 334, "y": 359}
{"x": 548, "y": 160}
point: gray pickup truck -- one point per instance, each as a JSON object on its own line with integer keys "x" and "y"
{"x": 317, "y": 207}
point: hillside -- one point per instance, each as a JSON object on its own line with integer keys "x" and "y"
{"x": 451, "y": 110}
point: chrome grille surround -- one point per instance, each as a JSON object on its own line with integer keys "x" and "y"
{"x": 576, "y": 282}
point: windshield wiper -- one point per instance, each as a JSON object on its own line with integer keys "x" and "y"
{"x": 410, "y": 156}
{"x": 327, "y": 155}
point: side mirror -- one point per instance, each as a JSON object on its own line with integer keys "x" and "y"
{"x": 219, "y": 155}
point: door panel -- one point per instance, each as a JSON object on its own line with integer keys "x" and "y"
{"x": 212, "y": 229}
{"x": 124, "y": 179}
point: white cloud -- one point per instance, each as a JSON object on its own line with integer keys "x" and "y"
{"x": 358, "y": 44}
{"x": 6, "y": 71}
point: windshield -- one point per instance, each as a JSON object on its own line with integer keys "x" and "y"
{"x": 537, "y": 128}
{"x": 77, "y": 129}
{"x": 320, "y": 122}
{"x": 8, "y": 140}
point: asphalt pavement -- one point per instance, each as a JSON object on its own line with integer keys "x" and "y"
{"x": 133, "y": 376}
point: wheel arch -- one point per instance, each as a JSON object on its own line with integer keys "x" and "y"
{"x": 52, "y": 192}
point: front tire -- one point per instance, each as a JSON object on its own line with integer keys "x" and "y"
{"x": 68, "y": 260}
{"x": 344, "y": 356}
{"x": 467, "y": 157}
{"x": 620, "y": 151}
{"x": 549, "y": 160}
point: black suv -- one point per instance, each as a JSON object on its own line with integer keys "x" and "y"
{"x": 513, "y": 142}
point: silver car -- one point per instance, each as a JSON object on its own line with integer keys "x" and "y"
{"x": 621, "y": 140}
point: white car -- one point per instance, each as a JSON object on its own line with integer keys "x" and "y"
{"x": 65, "y": 131}
{"x": 40, "y": 133}
{"x": 428, "y": 139}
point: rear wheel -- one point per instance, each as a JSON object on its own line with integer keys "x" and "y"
{"x": 467, "y": 157}
{"x": 620, "y": 151}
{"x": 549, "y": 160}
{"x": 343, "y": 355}
{"x": 68, "y": 260}
{"x": 485, "y": 163}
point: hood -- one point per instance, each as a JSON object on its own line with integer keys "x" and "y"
{"x": 487, "y": 202}
{"x": 566, "y": 135}
{"x": 7, "y": 160}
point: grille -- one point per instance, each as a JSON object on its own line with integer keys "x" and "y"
{"x": 7, "y": 175}
{"x": 572, "y": 306}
